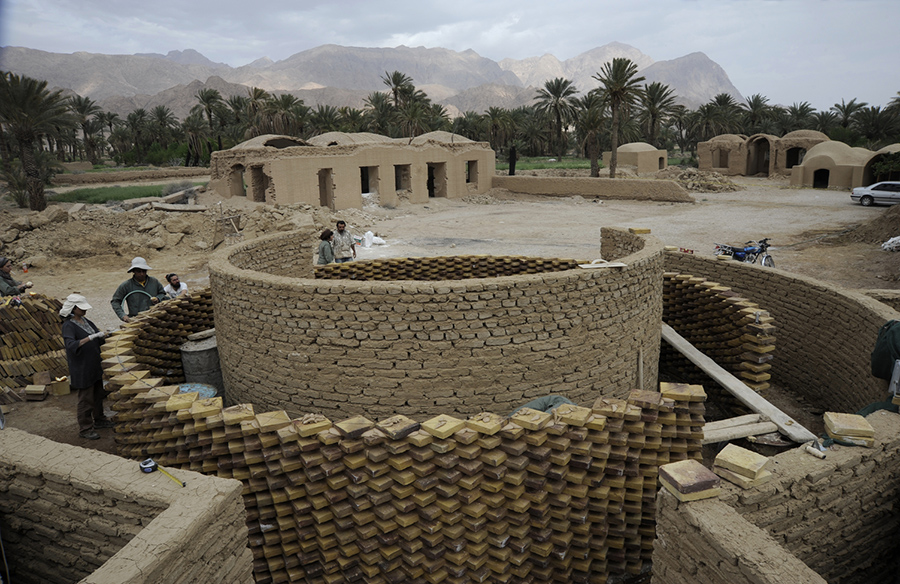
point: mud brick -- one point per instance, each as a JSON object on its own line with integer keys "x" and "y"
{"x": 398, "y": 427}
{"x": 486, "y": 423}
{"x": 443, "y": 426}
{"x": 354, "y": 427}
{"x": 234, "y": 415}
{"x": 609, "y": 407}
{"x": 530, "y": 419}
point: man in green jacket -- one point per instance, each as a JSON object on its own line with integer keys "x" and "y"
{"x": 139, "y": 293}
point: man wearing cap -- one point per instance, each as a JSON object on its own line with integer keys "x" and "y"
{"x": 139, "y": 293}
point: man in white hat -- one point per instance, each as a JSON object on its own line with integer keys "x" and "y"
{"x": 139, "y": 293}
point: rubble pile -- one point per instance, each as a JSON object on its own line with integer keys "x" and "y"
{"x": 699, "y": 181}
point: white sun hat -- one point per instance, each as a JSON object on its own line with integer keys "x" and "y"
{"x": 138, "y": 263}
{"x": 73, "y": 300}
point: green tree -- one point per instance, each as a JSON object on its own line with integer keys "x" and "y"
{"x": 209, "y": 100}
{"x": 162, "y": 123}
{"x": 846, "y": 110}
{"x": 27, "y": 111}
{"x": 589, "y": 124}
{"x": 83, "y": 110}
{"x": 380, "y": 114}
{"x": 397, "y": 83}
{"x": 756, "y": 112}
{"x": 137, "y": 123}
{"x": 656, "y": 106}
{"x": 620, "y": 89}
{"x": 556, "y": 97}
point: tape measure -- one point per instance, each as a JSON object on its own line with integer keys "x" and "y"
{"x": 149, "y": 465}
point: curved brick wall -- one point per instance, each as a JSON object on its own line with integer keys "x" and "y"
{"x": 825, "y": 333}
{"x": 342, "y": 347}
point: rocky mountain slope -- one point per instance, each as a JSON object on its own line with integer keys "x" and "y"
{"x": 339, "y": 76}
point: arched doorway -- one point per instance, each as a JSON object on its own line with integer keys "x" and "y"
{"x": 794, "y": 156}
{"x": 821, "y": 178}
{"x": 758, "y": 157}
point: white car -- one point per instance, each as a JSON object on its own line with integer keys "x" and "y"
{"x": 885, "y": 193}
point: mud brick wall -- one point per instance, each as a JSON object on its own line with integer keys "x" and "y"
{"x": 825, "y": 333}
{"x": 163, "y": 329}
{"x": 616, "y": 189}
{"x": 538, "y": 497}
{"x": 707, "y": 541}
{"x": 69, "y": 514}
{"x": 737, "y": 334}
{"x": 343, "y": 347}
{"x": 839, "y": 516}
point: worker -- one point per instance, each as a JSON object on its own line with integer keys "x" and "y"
{"x": 138, "y": 293}
{"x": 83, "y": 340}
{"x": 9, "y": 286}
{"x": 343, "y": 243}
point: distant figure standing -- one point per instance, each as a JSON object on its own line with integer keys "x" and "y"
{"x": 139, "y": 292}
{"x": 344, "y": 246}
{"x": 326, "y": 252}
{"x": 175, "y": 286}
{"x": 83, "y": 340}
{"x": 8, "y": 286}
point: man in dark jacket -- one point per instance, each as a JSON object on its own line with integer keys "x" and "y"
{"x": 139, "y": 293}
{"x": 83, "y": 340}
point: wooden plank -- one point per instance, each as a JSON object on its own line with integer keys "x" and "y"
{"x": 735, "y": 432}
{"x": 731, "y": 422}
{"x": 786, "y": 425}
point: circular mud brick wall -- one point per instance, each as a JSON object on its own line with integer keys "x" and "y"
{"x": 469, "y": 334}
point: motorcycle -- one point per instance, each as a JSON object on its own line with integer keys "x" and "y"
{"x": 748, "y": 253}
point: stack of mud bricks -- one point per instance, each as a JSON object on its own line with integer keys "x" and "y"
{"x": 30, "y": 339}
{"x": 145, "y": 355}
{"x": 567, "y": 496}
{"x": 734, "y": 332}
{"x": 443, "y": 268}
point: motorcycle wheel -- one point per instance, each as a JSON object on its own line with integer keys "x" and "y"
{"x": 768, "y": 261}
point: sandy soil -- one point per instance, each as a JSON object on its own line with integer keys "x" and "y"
{"x": 801, "y": 223}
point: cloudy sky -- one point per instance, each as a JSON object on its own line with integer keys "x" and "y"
{"x": 820, "y": 51}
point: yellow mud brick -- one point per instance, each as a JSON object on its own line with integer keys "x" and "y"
{"x": 237, "y": 414}
{"x": 852, "y": 425}
{"x": 354, "y": 427}
{"x": 572, "y": 414}
{"x": 853, "y": 440}
{"x": 311, "y": 424}
{"x": 610, "y": 407}
{"x": 486, "y": 423}
{"x": 272, "y": 421}
{"x": 398, "y": 427}
{"x": 180, "y": 401}
{"x": 443, "y": 426}
{"x": 742, "y": 481}
{"x": 596, "y": 422}
{"x": 639, "y": 230}
{"x": 742, "y": 461}
{"x": 531, "y": 419}
{"x": 688, "y": 477}
{"x": 203, "y": 408}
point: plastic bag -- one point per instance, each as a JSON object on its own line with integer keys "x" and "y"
{"x": 367, "y": 239}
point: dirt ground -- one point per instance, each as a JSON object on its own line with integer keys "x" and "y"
{"x": 811, "y": 232}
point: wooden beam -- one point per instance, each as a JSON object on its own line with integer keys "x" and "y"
{"x": 735, "y": 432}
{"x": 786, "y": 425}
{"x": 729, "y": 423}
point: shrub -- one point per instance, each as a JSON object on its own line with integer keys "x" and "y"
{"x": 172, "y": 188}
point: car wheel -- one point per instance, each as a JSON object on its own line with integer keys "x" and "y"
{"x": 768, "y": 262}
{"x": 866, "y": 201}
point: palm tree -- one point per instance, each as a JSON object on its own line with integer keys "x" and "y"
{"x": 657, "y": 104}
{"x": 194, "y": 129}
{"x": 470, "y": 124}
{"x": 396, "y": 82}
{"x": 380, "y": 114}
{"x": 325, "y": 118}
{"x": 162, "y": 122}
{"x": 846, "y": 110}
{"x": 825, "y": 121}
{"x": 84, "y": 108}
{"x": 28, "y": 110}
{"x": 708, "y": 121}
{"x": 589, "y": 123}
{"x": 876, "y": 125}
{"x": 352, "y": 119}
{"x": 620, "y": 88}
{"x": 137, "y": 122}
{"x": 756, "y": 112}
{"x": 556, "y": 97}
{"x": 499, "y": 123}
{"x": 210, "y": 100}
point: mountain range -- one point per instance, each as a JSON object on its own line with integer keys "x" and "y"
{"x": 345, "y": 76}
